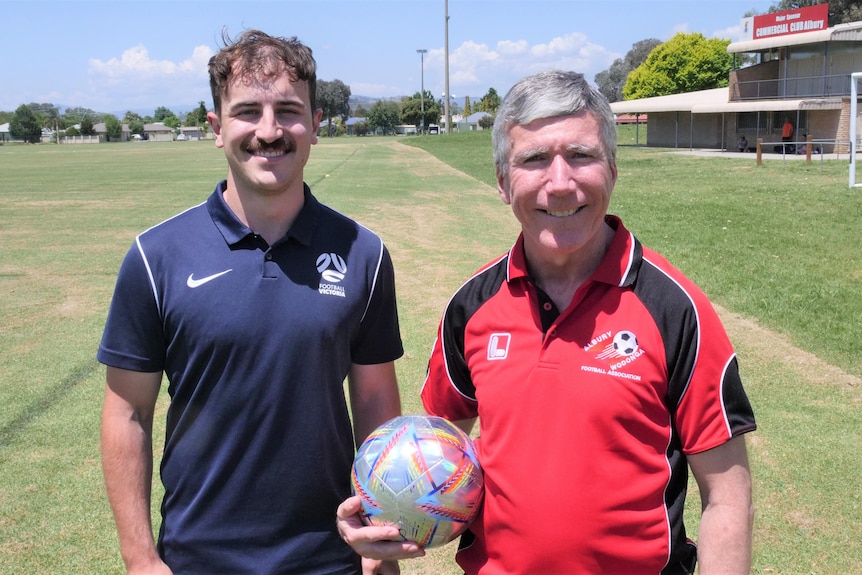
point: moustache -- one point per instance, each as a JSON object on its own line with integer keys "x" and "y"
{"x": 280, "y": 145}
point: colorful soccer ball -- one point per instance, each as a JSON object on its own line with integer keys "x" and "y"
{"x": 420, "y": 473}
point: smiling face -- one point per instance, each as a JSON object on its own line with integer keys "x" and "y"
{"x": 266, "y": 128}
{"x": 559, "y": 184}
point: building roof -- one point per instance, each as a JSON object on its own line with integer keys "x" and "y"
{"x": 849, "y": 32}
{"x": 717, "y": 101}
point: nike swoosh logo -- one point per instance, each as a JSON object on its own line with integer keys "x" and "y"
{"x": 193, "y": 283}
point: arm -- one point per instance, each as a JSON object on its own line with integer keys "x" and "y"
{"x": 374, "y": 397}
{"x": 374, "y": 400}
{"x": 127, "y": 463}
{"x": 724, "y": 478}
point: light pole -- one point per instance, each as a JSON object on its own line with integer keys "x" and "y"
{"x": 422, "y": 53}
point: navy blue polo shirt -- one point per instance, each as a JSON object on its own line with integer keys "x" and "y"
{"x": 255, "y": 341}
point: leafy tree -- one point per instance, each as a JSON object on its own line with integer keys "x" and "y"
{"x": 840, "y": 11}
{"x": 486, "y": 122}
{"x": 490, "y": 102}
{"x": 359, "y": 112}
{"x": 411, "y": 110}
{"x": 384, "y": 114}
{"x": 87, "y": 128}
{"x": 334, "y": 99}
{"x": 72, "y": 116}
{"x": 162, "y": 114}
{"x": 611, "y": 81}
{"x": 113, "y": 127}
{"x": 360, "y": 128}
{"x": 48, "y": 114}
{"x": 25, "y": 125}
{"x": 685, "y": 63}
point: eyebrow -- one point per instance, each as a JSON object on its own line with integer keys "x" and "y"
{"x": 543, "y": 150}
{"x": 295, "y": 102}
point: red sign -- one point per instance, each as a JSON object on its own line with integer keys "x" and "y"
{"x": 807, "y": 19}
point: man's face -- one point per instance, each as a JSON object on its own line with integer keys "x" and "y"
{"x": 559, "y": 183}
{"x": 267, "y": 128}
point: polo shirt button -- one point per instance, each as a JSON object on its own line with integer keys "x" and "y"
{"x": 554, "y": 333}
{"x": 268, "y": 256}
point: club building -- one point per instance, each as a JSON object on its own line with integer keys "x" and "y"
{"x": 787, "y": 65}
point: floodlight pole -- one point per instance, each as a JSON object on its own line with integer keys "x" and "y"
{"x": 854, "y": 78}
{"x": 422, "y": 53}
{"x": 446, "y": 67}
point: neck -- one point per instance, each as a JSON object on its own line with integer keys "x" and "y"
{"x": 561, "y": 276}
{"x": 268, "y": 214}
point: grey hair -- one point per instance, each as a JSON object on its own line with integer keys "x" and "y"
{"x": 548, "y": 95}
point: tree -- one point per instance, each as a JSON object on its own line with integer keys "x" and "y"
{"x": 611, "y": 81}
{"x": 384, "y": 114}
{"x": 72, "y": 116}
{"x": 199, "y": 116}
{"x": 87, "y": 128}
{"x": 840, "y": 11}
{"x": 490, "y": 102}
{"x": 411, "y": 110}
{"x": 113, "y": 127}
{"x": 25, "y": 125}
{"x": 334, "y": 99}
{"x": 162, "y": 113}
{"x": 685, "y": 63}
{"x": 467, "y": 109}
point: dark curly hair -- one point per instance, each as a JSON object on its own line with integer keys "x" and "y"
{"x": 255, "y": 54}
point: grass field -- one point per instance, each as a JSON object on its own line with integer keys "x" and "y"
{"x": 775, "y": 246}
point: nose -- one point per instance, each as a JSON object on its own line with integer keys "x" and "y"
{"x": 559, "y": 176}
{"x": 268, "y": 128}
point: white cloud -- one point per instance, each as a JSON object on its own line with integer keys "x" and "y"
{"x": 136, "y": 62}
{"x": 135, "y": 79}
{"x": 476, "y": 67}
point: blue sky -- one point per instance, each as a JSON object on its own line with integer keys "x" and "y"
{"x": 117, "y": 55}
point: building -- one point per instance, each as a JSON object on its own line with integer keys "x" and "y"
{"x": 789, "y": 65}
{"x": 158, "y": 132}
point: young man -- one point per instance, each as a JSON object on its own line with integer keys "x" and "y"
{"x": 255, "y": 305}
{"x": 599, "y": 374}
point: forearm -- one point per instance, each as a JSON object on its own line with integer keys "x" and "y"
{"x": 127, "y": 465}
{"x": 724, "y": 541}
{"x": 374, "y": 397}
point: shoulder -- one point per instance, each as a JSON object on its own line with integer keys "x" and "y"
{"x": 483, "y": 285}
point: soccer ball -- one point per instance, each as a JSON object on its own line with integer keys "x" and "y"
{"x": 625, "y": 343}
{"x": 421, "y": 473}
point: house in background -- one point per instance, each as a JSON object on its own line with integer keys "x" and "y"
{"x": 4, "y": 133}
{"x": 801, "y": 72}
{"x": 158, "y": 132}
{"x": 195, "y": 133}
{"x": 102, "y": 131}
{"x": 469, "y": 123}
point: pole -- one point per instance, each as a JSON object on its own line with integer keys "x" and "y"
{"x": 446, "y": 66}
{"x": 422, "y": 53}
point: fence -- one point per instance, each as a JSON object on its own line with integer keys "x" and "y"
{"x": 81, "y": 140}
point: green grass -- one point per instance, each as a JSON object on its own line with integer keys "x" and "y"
{"x": 775, "y": 244}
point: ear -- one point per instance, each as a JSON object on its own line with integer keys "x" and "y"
{"x": 316, "y": 117}
{"x": 215, "y": 124}
{"x": 503, "y": 188}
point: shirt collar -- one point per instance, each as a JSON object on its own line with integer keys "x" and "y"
{"x": 234, "y": 231}
{"x": 619, "y": 266}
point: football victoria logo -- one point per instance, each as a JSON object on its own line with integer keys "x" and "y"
{"x": 333, "y": 269}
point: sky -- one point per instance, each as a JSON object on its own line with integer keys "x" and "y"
{"x": 117, "y": 55}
